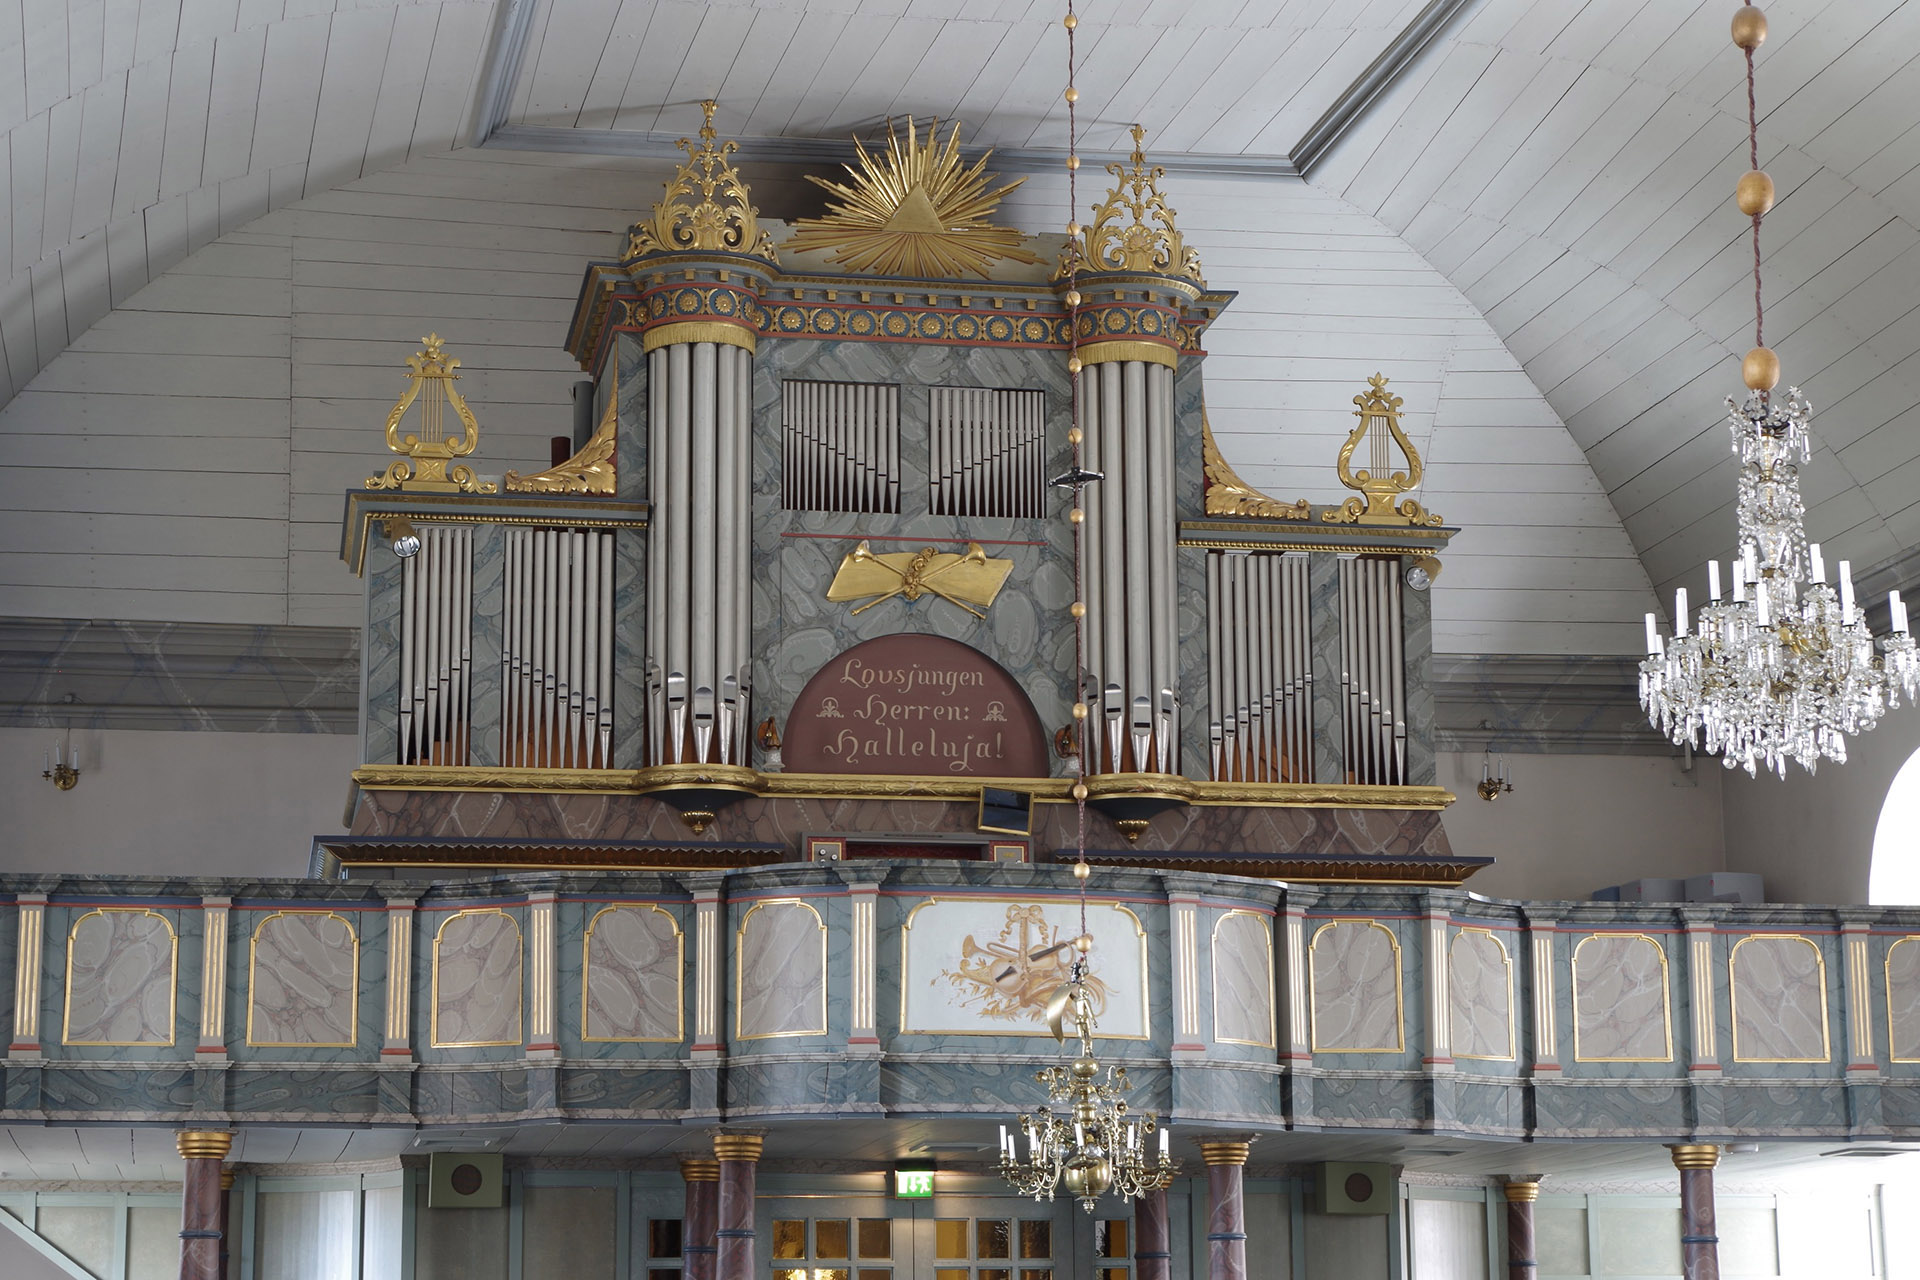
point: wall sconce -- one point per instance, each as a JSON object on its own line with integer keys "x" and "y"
{"x": 406, "y": 539}
{"x": 63, "y": 764}
{"x": 1493, "y": 777}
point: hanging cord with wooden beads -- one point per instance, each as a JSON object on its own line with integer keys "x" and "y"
{"x": 1081, "y": 710}
{"x": 1753, "y": 164}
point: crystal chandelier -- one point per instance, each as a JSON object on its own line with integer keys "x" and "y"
{"x": 1786, "y": 669}
{"x": 1086, "y": 1139}
{"x": 1084, "y": 1136}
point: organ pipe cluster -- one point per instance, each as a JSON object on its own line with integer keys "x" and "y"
{"x": 699, "y": 632}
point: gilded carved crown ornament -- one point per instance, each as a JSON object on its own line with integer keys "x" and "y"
{"x": 424, "y": 469}
{"x": 1379, "y": 415}
{"x": 590, "y": 469}
{"x": 706, "y": 207}
{"x": 1229, "y": 495}
{"x": 913, "y": 210}
{"x": 1133, "y": 228}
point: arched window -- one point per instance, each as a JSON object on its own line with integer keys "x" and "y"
{"x": 1894, "y": 877}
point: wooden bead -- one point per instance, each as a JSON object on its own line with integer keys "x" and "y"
{"x": 1749, "y": 27}
{"x": 1754, "y": 195}
{"x": 1761, "y": 369}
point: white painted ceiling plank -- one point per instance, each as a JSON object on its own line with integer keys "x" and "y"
{"x": 402, "y": 80}
{"x": 238, "y": 60}
{"x": 614, "y": 65}
{"x": 669, "y": 35}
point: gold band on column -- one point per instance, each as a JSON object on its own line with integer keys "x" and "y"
{"x": 1522, "y": 1192}
{"x": 697, "y": 1170}
{"x": 737, "y": 1146}
{"x": 203, "y": 1144}
{"x": 226, "y": 1179}
{"x": 1224, "y": 1152}
{"x": 1695, "y": 1155}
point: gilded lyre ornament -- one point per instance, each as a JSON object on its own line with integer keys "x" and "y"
{"x": 964, "y": 580}
{"x": 1379, "y": 415}
{"x": 424, "y": 469}
{"x": 590, "y": 469}
{"x": 1133, "y": 228}
{"x": 706, "y": 206}
{"x": 1229, "y": 495}
{"x": 913, "y": 210}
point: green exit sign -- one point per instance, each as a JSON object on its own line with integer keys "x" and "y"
{"x": 913, "y": 1184}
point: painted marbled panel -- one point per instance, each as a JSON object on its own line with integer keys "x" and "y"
{"x": 1779, "y": 1000}
{"x": 303, "y": 980}
{"x": 1354, "y": 971}
{"x": 1903, "y": 999}
{"x": 476, "y": 980}
{"x": 1480, "y": 992}
{"x": 1621, "y": 1011}
{"x": 386, "y": 574}
{"x": 120, "y": 978}
{"x": 1243, "y": 979}
{"x": 633, "y": 970}
{"x": 782, "y": 988}
{"x": 1416, "y": 626}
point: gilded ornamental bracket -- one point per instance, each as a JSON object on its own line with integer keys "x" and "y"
{"x": 707, "y": 207}
{"x": 590, "y": 469}
{"x": 424, "y": 469}
{"x": 914, "y": 210}
{"x": 1133, "y": 228}
{"x": 1379, "y": 415}
{"x": 1229, "y": 495}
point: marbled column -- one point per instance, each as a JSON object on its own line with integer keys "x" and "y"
{"x": 214, "y": 914}
{"x": 1699, "y": 1246}
{"x": 201, "y": 1233}
{"x": 30, "y": 940}
{"x": 543, "y": 969}
{"x": 1855, "y": 938}
{"x": 1521, "y": 1193}
{"x": 1152, "y": 1252}
{"x": 700, "y": 1219}
{"x": 709, "y": 974}
{"x": 1439, "y": 1055}
{"x": 1705, "y": 1052}
{"x": 1185, "y": 939}
{"x": 1226, "y": 1210}
{"x": 1323, "y": 620}
{"x": 1293, "y": 947}
{"x": 739, "y": 1156}
{"x": 1544, "y": 1023}
{"x": 864, "y": 1033}
{"x": 399, "y": 1021}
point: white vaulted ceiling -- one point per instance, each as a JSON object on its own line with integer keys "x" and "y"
{"x": 1566, "y": 164}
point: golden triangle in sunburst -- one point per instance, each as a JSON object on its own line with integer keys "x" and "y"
{"x": 913, "y": 210}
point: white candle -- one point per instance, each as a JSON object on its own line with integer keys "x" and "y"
{"x": 1819, "y": 565}
{"x": 1163, "y": 1144}
{"x": 1898, "y": 610}
{"x": 1679, "y": 611}
{"x": 1713, "y": 581}
{"x": 1760, "y": 599}
{"x": 1739, "y": 582}
{"x": 1003, "y": 1139}
{"x": 1753, "y": 562}
{"x": 1653, "y": 635}
{"x": 1846, "y": 592}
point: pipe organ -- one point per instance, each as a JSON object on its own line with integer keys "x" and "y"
{"x": 840, "y": 446}
{"x": 1132, "y": 681}
{"x": 1372, "y": 675}
{"x": 699, "y": 670}
{"x": 556, "y": 649}
{"x": 436, "y": 647}
{"x": 988, "y": 452}
{"x": 1260, "y": 682}
{"x": 822, "y": 546}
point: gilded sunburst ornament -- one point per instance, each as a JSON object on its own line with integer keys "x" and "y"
{"x": 913, "y": 210}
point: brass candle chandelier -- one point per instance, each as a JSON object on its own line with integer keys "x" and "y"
{"x": 1787, "y": 668}
{"x": 1083, "y": 1137}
